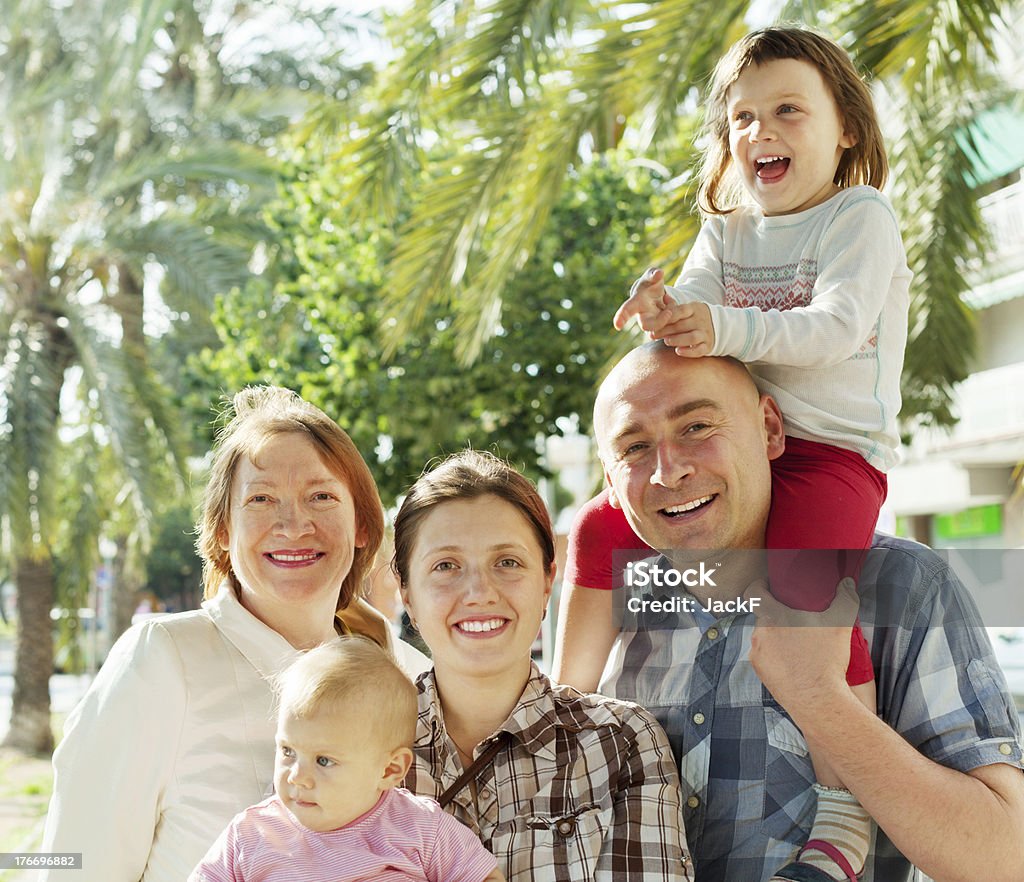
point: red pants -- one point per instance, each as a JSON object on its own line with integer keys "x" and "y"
{"x": 823, "y": 498}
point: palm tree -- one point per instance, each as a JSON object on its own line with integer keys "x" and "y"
{"x": 104, "y": 187}
{"x": 481, "y": 116}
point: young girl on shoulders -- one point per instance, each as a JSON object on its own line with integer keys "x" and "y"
{"x": 799, "y": 270}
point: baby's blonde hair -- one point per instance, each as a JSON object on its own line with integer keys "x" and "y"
{"x": 354, "y": 675}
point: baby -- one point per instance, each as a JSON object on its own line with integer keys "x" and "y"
{"x": 346, "y": 720}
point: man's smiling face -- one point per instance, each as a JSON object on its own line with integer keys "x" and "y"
{"x": 685, "y": 445}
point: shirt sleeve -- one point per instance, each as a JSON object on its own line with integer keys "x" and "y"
{"x": 221, "y": 862}
{"x": 597, "y": 532}
{"x": 117, "y": 756}
{"x": 702, "y": 275}
{"x": 940, "y": 685}
{"x": 457, "y": 855}
{"x": 646, "y": 840}
{"x": 860, "y": 253}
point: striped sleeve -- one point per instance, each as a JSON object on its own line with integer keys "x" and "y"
{"x": 457, "y": 855}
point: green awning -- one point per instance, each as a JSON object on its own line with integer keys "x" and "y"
{"x": 998, "y": 145}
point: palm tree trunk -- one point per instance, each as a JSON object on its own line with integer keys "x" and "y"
{"x": 30, "y": 730}
{"x": 125, "y": 587}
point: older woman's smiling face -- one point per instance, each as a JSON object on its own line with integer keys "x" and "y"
{"x": 292, "y": 529}
{"x": 477, "y": 587}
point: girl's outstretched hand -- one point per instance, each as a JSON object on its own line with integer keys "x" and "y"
{"x": 647, "y": 299}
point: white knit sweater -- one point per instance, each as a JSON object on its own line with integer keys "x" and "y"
{"x": 816, "y": 304}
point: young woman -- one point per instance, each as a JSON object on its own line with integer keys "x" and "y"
{"x": 581, "y": 787}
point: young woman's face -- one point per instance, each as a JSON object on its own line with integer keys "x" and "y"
{"x": 477, "y": 587}
{"x": 292, "y": 529}
{"x": 786, "y": 136}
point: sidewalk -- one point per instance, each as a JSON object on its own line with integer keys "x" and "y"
{"x": 25, "y": 782}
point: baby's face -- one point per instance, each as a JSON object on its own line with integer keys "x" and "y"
{"x": 328, "y": 770}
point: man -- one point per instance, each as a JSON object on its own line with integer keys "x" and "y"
{"x": 685, "y": 445}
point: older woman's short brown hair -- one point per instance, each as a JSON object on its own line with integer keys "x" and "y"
{"x": 469, "y": 475}
{"x": 260, "y": 413}
{"x": 863, "y": 163}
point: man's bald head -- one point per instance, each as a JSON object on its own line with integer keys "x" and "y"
{"x": 685, "y": 444}
{"x": 635, "y": 368}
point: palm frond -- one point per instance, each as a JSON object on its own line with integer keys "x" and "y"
{"x": 383, "y": 156}
{"x": 922, "y": 42}
{"x": 198, "y": 263}
{"x": 84, "y": 508}
{"x": 502, "y": 52}
{"x": 130, "y": 404}
{"x": 206, "y": 161}
{"x": 31, "y": 377}
{"x": 516, "y": 220}
{"x": 942, "y": 228}
{"x": 433, "y": 248}
{"x": 659, "y": 70}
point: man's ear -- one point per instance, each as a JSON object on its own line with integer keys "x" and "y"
{"x": 775, "y": 433}
{"x": 613, "y": 500}
{"x": 397, "y": 768}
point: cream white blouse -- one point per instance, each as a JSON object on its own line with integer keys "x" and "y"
{"x": 174, "y": 738}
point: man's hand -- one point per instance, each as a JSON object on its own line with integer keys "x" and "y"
{"x": 801, "y": 656}
{"x": 686, "y": 327}
{"x": 647, "y": 299}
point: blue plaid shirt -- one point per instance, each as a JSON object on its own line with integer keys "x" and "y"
{"x": 745, "y": 769}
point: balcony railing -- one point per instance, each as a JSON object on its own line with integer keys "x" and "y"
{"x": 1003, "y": 212}
{"x": 990, "y": 404}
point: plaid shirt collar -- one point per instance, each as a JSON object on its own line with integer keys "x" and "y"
{"x": 533, "y": 721}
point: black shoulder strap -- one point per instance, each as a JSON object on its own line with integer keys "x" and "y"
{"x": 475, "y": 768}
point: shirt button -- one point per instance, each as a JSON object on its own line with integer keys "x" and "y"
{"x": 1005, "y": 749}
{"x": 693, "y": 802}
{"x": 712, "y": 633}
{"x": 485, "y": 793}
{"x": 698, "y": 718}
{"x": 566, "y": 827}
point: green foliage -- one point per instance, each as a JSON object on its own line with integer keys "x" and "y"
{"x": 174, "y": 572}
{"x": 316, "y": 329}
{"x": 516, "y": 92}
{"x": 135, "y": 161}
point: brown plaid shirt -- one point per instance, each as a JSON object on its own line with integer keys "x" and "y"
{"x": 586, "y": 788}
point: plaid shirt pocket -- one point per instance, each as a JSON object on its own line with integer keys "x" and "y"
{"x": 788, "y": 774}
{"x": 561, "y": 847}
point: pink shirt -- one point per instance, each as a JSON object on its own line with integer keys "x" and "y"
{"x": 403, "y": 837}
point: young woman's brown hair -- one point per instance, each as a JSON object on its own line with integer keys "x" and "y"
{"x": 469, "y": 475}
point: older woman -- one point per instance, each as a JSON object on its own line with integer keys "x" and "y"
{"x": 562, "y": 786}
{"x": 176, "y": 734}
